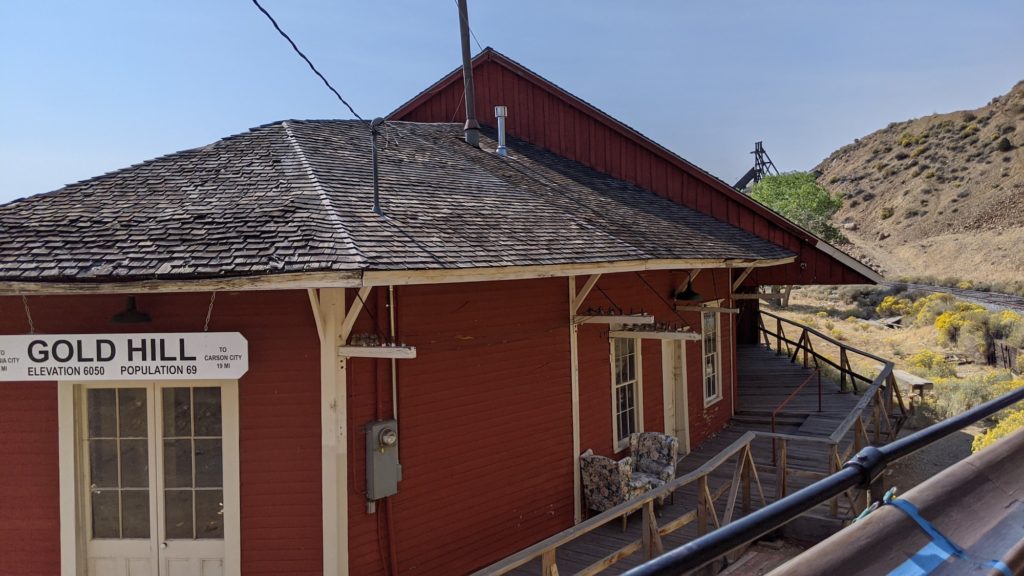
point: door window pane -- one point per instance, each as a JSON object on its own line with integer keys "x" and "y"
{"x": 207, "y": 411}
{"x": 177, "y": 412}
{"x": 105, "y": 514}
{"x": 132, "y": 420}
{"x": 135, "y": 505}
{"x": 209, "y": 513}
{"x": 178, "y": 463}
{"x": 178, "y": 514}
{"x": 101, "y": 407}
{"x": 209, "y": 464}
{"x": 134, "y": 463}
{"x": 103, "y": 463}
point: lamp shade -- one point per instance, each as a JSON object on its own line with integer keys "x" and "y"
{"x": 130, "y": 315}
{"x": 689, "y": 294}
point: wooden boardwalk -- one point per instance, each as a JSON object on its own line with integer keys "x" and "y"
{"x": 765, "y": 381}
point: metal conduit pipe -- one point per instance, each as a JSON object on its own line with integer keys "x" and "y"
{"x": 860, "y": 471}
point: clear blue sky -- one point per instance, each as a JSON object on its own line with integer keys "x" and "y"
{"x": 89, "y": 87}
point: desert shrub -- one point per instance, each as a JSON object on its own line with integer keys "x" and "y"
{"x": 952, "y": 396}
{"x": 1008, "y": 423}
{"x": 901, "y": 155}
{"x": 894, "y": 306}
{"x": 1015, "y": 337}
{"x": 931, "y": 364}
{"x": 908, "y": 139}
{"x": 960, "y": 317}
{"x": 1005, "y": 323}
{"x": 926, "y": 310}
{"x": 887, "y": 212}
{"x": 965, "y": 285}
{"x": 1004, "y": 145}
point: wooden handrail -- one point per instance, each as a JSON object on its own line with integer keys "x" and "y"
{"x": 862, "y": 404}
{"x": 552, "y": 543}
{"x": 824, "y": 337}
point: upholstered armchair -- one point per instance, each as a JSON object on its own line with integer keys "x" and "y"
{"x": 608, "y": 483}
{"x": 654, "y": 458}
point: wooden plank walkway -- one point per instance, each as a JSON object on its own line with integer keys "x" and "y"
{"x": 765, "y": 380}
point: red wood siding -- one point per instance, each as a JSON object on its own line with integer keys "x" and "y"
{"x": 545, "y": 115}
{"x": 29, "y": 484}
{"x": 484, "y": 422}
{"x": 279, "y": 412}
{"x": 630, "y": 292}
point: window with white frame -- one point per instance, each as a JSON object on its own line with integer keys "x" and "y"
{"x": 712, "y": 365}
{"x": 627, "y": 411}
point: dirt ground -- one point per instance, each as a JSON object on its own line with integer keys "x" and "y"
{"x": 931, "y": 460}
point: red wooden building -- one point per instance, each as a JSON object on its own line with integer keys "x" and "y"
{"x": 202, "y": 355}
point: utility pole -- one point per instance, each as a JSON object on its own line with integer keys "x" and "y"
{"x": 472, "y": 127}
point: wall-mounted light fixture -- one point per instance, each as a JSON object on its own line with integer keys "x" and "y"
{"x": 130, "y": 315}
{"x": 688, "y": 294}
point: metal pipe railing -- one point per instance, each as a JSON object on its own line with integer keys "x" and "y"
{"x": 860, "y": 471}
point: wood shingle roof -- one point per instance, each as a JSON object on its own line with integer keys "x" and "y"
{"x": 296, "y": 196}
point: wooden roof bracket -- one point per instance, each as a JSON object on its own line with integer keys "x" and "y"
{"x": 743, "y": 276}
{"x": 314, "y": 301}
{"x": 578, "y": 299}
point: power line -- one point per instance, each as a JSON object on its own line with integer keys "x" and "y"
{"x": 311, "y": 67}
{"x": 471, "y": 33}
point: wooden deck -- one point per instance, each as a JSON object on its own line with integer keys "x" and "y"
{"x": 765, "y": 381}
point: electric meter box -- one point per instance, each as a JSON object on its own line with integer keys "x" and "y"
{"x": 383, "y": 472}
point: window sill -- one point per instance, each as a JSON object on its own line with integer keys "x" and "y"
{"x": 709, "y": 402}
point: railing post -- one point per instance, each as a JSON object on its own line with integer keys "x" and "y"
{"x": 702, "y": 506}
{"x": 877, "y": 415}
{"x": 843, "y": 363}
{"x": 747, "y": 462}
{"x": 780, "y": 471}
{"x": 651, "y": 538}
{"x": 833, "y": 456}
{"x": 548, "y": 567}
{"x": 818, "y": 370}
{"x": 778, "y": 336}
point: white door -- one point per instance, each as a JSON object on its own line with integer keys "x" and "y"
{"x": 673, "y": 369}
{"x": 152, "y": 477}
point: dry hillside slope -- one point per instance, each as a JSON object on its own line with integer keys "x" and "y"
{"x": 940, "y": 196}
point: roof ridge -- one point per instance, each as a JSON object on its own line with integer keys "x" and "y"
{"x": 325, "y": 199}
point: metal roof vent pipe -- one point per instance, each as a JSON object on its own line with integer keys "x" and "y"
{"x": 501, "y": 112}
{"x": 374, "y": 131}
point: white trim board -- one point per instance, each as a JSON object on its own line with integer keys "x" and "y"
{"x": 357, "y": 279}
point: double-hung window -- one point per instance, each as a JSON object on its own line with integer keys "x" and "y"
{"x": 711, "y": 348}
{"x": 627, "y": 409}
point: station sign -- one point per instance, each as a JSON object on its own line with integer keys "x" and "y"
{"x": 177, "y": 356}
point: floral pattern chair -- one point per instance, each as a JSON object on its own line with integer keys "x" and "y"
{"x": 608, "y": 483}
{"x": 654, "y": 458}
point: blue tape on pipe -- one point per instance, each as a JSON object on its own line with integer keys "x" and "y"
{"x": 940, "y": 549}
